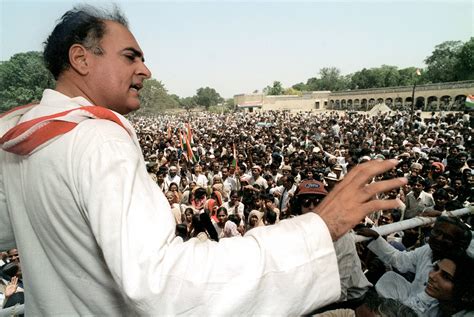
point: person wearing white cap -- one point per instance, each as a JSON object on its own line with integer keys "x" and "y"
{"x": 171, "y": 177}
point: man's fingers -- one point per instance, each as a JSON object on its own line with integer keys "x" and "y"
{"x": 363, "y": 173}
{"x": 382, "y": 186}
{"x": 375, "y": 205}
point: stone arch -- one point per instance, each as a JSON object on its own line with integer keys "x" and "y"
{"x": 459, "y": 101}
{"x": 445, "y": 101}
{"x": 420, "y": 102}
{"x": 363, "y": 104}
{"x": 379, "y": 100}
{"x": 398, "y": 103}
{"x": 408, "y": 101}
{"x": 343, "y": 104}
{"x": 432, "y": 103}
{"x": 389, "y": 101}
{"x": 356, "y": 104}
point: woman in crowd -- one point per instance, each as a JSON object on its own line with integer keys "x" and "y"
{"x": 221, "y": 221}
{"x": 254, "y": 219}
{"x": 173, "y": 187}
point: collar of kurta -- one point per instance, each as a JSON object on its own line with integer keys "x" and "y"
{"x": 29, "y": 136}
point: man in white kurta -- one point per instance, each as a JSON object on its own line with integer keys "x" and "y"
{"x": 96, "y": 234}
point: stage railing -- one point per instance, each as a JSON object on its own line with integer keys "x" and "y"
{"x": 412, "y": 223}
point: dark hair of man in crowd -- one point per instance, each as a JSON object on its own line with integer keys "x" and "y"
{"x": 386, "y": 307}
{"x": 466, "y": 237}
{"x": 270, "y": 217}
{"x": 84, "y": 25}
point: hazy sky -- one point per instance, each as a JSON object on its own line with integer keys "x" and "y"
{"x": 238, "y": 47}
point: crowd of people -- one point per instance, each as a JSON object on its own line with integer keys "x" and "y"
{"x": 248, "y": 170}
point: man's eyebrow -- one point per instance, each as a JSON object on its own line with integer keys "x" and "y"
{"x": 136, "y": 53}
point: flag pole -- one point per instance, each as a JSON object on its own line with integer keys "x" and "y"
{"x": 418, "y": 73}
{"x": 413, "y": 102}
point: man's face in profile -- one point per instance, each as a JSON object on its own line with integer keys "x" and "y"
{"x": 115, "y": 77}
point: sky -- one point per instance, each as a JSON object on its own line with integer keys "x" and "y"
{"x": 238, "y": 47}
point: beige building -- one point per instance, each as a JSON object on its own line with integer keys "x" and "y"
{"x": 446, "y": 96}
{"x": 315, "y": 100}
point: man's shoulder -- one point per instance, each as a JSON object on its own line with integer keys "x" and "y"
{"x": 99, "y": 135}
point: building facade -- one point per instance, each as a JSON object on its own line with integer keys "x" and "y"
{"x": 430, "y": 97}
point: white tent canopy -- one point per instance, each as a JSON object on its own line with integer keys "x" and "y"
{"x": 379, "y": 108}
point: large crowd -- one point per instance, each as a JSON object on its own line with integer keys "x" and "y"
{"x": 226, "y": 174}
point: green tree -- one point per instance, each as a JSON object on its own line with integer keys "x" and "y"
{"x": 313, "y": 84}
{"x": 291, "y": 91}
{"x": 23, "y": 79}
{"x": 154, "y": 97}
{"x": 331, "y": 79}
{"x": 275, "y": 90}
{"x": 187, "y": 103}
{"x": 230, "y": 103}
{"x": 407, "y": 76}
{"x": 464, "y": 67}
{"x": 300, "y": 87}
{"x": 441, "y": 63}
{"x": 207, "y": 97}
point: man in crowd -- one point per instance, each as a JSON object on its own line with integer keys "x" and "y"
{"x": 171, "y": 177}
{"x": 449, "y": 238}
{"x": 417, "y": 199}
{"x": 284, "y": 192}
{"x": 91, "y": 225}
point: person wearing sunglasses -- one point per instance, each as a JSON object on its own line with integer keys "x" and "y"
{"x": 354, "y": 284}
{"x": 307, "y": 196}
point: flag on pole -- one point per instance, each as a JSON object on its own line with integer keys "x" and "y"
{"x": 418, "y": 72}
{"x": 470, "y": 102}
{"x": 190, "y": 133}
{"x": 189, "y": 152}
{"x": 180, "y": 137}
{"x": 235, "y": 162}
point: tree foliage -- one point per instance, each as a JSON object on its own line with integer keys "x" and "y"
{"x": 187, "y": 103}
{"x": 155, "y": 98}
{"x": 464, "y": 67}
{"x": 207, "y": 97}
{"x": 275, "y": 90}
{"x": 449, "y": 61}
{"x": 441, "y": 63}
{"x": 23, "y": 79}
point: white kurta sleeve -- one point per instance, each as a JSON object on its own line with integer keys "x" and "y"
{"x": 7, "y": 238}
{"x": 285, "y": 269}
{"x": 402, "y": 261}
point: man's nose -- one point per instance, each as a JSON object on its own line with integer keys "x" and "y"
{"x": 144, "y": 71}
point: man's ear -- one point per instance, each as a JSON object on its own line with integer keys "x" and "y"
{"x": 78, "y": 58}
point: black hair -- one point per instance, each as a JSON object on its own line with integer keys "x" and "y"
{"x": 270, "y": 217}
{"x": 235, "y": 219}
{"x": 463, "y": 279}
{"x": 199, "y": 193}
{"x": 182, "y": 231}
{"x": 441, "y": 193}
{"x": 412, "y": 180}
{"x": 466, "y": 238}
{"x": 84, "y": 25}
{"x": 222, "y": 209}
